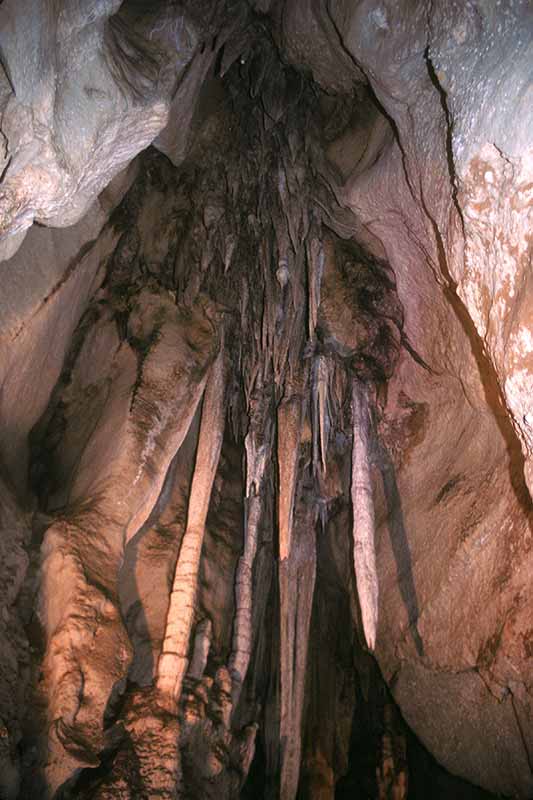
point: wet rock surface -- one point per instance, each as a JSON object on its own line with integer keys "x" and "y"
{"x": 265, "y": 396}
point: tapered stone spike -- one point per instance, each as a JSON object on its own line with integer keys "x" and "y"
{"x": 301, "y": 568}
{"x": 296, "y": 586}
{"x": 257, "y": 452}
{"x": 323, "y": 416}
{"x": 290, "y": 421}
{"x": 364, "y": 552}
{"x": 242, "y": 629}
{"x": 320, "y": 394}
{"x": 173, "y": 660}
{"x": 297, "y": 582}
{"x": 315, "y": 268}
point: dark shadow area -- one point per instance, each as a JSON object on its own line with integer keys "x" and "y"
{"x": 331, "y": 673}
{"x": 134, "y": 616}
{"x": 119, "y": 761}
{"x": 427, "y": 779}
{"x": 359, "y": 781}
{"x": 400, "y": 544}
{"x": 377, "y": 716}
{"x": 263, "y": 680}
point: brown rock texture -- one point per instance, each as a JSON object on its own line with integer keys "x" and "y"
{"x": 265, "y": 399}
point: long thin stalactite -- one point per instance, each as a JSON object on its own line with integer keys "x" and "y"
{"x": 364, "y": 552}
{"x": 258, "y": 449}
{"x": 173, "y": 661}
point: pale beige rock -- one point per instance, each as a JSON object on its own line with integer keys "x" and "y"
{"x": 73, "y": 122}
{"x": 290, "y": 424}
{"x": 430, "y": 191}
{"x": 364, "y": 546}
{"x": 132, "y": 430}
{"x": 173, "y": 660}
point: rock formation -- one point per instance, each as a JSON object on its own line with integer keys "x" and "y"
{"x": 265, "y": 395}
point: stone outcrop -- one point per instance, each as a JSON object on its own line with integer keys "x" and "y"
{"x": 265, "y": 392}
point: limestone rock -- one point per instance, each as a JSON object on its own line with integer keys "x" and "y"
{"x": 91, "y": 87}
{"x": 344, "y": 190}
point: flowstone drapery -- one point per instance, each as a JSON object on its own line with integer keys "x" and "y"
{"x": 279, "y": 384}
{"x": 264, "y": 398}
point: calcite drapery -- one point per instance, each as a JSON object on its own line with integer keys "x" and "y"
{"x": 431, "y": 198}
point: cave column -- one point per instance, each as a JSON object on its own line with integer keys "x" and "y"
{"x": 173, "y": 660}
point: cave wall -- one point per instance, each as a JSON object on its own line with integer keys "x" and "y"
{"x": 339, "y": 197}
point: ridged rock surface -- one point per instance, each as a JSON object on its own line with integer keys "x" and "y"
{"x": 295, "y": 334}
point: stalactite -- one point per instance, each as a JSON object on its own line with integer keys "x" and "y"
{"x": 202, "y": 645}
{"x": 287, "y": 642}
{"x": 242, "y": 632}
{"x": 258, "y": 448}
{"x": 173, "y": 659}
{"x": 363, "y": 514}
{"x": 297, "y": 581}
{"x": 242, "y": 228}
{"x": 290, "y": 422}
{"x": 315, "y": 269}
{"x": 289, "y": 434}
{"x": 321, "y": 415}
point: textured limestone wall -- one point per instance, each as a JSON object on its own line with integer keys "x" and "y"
{"x": 338, "y": 215}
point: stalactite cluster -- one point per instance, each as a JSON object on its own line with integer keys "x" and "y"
{"x": 285, "y": 332}
{"x": 265, "y": 397}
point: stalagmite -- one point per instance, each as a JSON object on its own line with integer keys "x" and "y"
{"x": 364, "y": 553}
{"x": 258, "y": 448}
{"x": 173, "y": 660}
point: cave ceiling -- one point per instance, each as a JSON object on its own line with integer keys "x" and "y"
{"x": 266, "y": 369}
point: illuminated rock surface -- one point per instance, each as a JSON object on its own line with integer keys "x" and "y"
{"x": 265, "y": 295}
